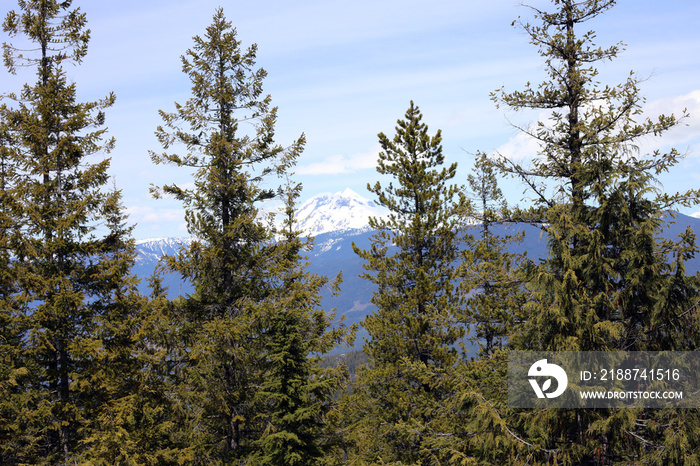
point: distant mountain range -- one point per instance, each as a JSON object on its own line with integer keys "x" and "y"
{"x": 337, "y": 220}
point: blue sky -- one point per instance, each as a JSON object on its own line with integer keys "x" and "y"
{"x": 343, "y": 71}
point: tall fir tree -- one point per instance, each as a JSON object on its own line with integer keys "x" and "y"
{"x": 489, "y": 270}
{"x": 247, "y": 386}
{"x": 71, "y": 255}
{"x": 11, "y": 305}
{"x": 216, "y": 339}
{"x": 296, "y": 394}
{"x": 607, "y": 283}
{"x": 476, "y": 429}
{"x": 396, "y": 405}
{"x": 128, "y": 428}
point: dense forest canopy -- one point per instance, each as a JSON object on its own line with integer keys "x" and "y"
{"x": 95, "y": 372}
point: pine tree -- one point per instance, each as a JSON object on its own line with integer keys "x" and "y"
{"x": 296, "y": 392}
{"x": 489, "y": 270}
{"x": 71, "y": 255}
{"x": 248, "y": 384}
{"x": 216, "y": 341}
{"x": 607, "y": 283}
{"x": 411, "y": 351}
{"x": 474, "y": 426}
{"x": 10, "y": 303}
{"x": 133, "y": 424}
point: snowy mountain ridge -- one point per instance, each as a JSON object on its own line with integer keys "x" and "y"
{"x": 152, "y": 249}
{"x": 340, "y": 211}
{"x": 323, "y": 213}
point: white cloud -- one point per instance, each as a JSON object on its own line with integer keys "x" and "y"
{"x": 688, "y": 129}
{"x": 149, "y": 214}
{"x": 341, "y": 164}
{"x": 521, "y": 147}
{"x": 157, "y": 219}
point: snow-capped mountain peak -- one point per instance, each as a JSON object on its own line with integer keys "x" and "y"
{"x": 336, "y": 212}
{"x": 152, "y": 249}
{"x": 323, "y": 213}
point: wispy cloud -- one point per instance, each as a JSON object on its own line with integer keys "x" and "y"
{"x": 157, "y": 221}
{"x": 341, "y": 164}
{"x": 688, "y": 131}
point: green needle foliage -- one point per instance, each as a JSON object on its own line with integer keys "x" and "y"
{"x": 246, "y": 387}
{"x": 11, "y": 304}
{"x": 69, "y": 294}
{"x": 217, "y": 338}
{"x": 398, "y": 400}
{"x": 93, "y": 373}
{"x": 296, "y": 394}
{"x": 608, "y": 284}
{"x": 489, "y": 271}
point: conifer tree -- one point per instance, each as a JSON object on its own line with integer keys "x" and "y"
{"x": 133, "y": 425}
{"x": 226, "y": 263}
{"x": 398, "y": 400}
{"x": 72, "y": 253}
{"x": 247, "y": 386}
{"x": 491, "y": 278}
{"x": 296, "y": 393}
{"x": 10, "y": 303}
{"x": 489, "y": 271}
{"x": 607, "y": 283}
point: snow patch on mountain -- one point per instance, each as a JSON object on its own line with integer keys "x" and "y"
{"x": 150, "y": 250}
{"x": 339, "y": 211}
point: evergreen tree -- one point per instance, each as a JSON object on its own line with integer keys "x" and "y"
{"x": 133, "y": 425}
{"x": 397, "y": 402}
{"x": 607, "y": 283}
{"x": 489, "y": 270}
{"x": 475, "y": 427}
{"x": 296, "y": 393}
{"x": 71, "y": 253}
{"x": 217, "y": 331}
{"x": 10, "y": 303}
{"x": 247, "y": 388}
